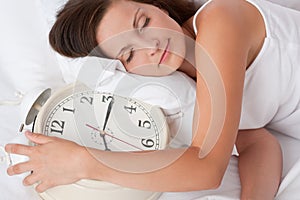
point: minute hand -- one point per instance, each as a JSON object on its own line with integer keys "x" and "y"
{"x": 108, "y": 113}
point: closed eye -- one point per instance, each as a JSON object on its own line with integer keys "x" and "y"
{"x": 145, "y": 24}
{"x": 131, "y": 54}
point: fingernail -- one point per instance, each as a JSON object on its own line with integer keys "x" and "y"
{"x": 9, "y": 171}
{"x": 28, "y": 133}
{"x": 7, "y": 148}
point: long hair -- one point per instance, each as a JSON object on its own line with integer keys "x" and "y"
{"x": 74, "y": 32}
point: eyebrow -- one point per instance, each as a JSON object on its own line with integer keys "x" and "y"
{"x": 123, "y": 49}
{"x": 135, "y": 16}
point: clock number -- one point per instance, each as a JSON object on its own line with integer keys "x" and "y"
{"x": 57, "y": 127}
{"x": 145, "y": 124}
{"x": 68, "y": 110}
{"x": 105, "y": 98}
{"x": 87, "y": 100}
{"x": 147, "y": 143}
{"x": 130, "y": 109}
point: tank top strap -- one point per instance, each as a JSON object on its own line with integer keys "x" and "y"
{"x": 196, "y": 14}
{"x": 263, "y": 13}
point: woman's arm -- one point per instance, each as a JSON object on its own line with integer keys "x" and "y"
{"x": 222, "y": 58}
{"x": 55, "y": 161}
{"x": 201, "y": 166}
{"x": 260, "y": 164}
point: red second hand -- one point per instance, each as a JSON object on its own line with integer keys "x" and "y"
{"x": 114, "y": 137}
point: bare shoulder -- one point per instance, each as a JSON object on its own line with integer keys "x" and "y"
{"x": 217, "y": 8}
{"x": 236, "y": 12}
{"x": 230, "y": 23}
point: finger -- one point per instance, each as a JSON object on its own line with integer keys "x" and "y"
{"x": 19, "y": 168}
{"x": 18, "y": 149}
{"x": 31, "y": 179}
{"x": 38, "y": 138}
{"x": 42, "y": 187}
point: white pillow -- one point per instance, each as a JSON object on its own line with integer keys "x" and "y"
{"x": 26, "y": 59}
{"x": 49, "y": 9}
{"x": 175, "y": 93}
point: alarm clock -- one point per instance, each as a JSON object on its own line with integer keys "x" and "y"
{"x": 99, "y": 120}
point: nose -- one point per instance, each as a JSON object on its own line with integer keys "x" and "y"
{"x": 151, "y": 46}
{"x": 155, "y": 47}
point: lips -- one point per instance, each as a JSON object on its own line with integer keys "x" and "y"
{"x": 165, "y": 53}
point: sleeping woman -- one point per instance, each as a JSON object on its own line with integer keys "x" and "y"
{"x": 247, "y": 75}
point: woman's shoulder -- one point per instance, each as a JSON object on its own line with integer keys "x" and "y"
{"x": 232, "y": 20}
{"x": 218, "y": 12}
{"x": 220, "y": 18}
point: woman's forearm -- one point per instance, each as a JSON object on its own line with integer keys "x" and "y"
{"x": 166, "y": 170}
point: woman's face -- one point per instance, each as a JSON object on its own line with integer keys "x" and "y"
{"x": 143, "y": 37}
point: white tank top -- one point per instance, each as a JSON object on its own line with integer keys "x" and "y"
{"x": 271, "y": 95}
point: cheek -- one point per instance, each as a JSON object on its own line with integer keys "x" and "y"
{"x": 143, "y": 65}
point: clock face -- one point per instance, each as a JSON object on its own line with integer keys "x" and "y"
{"x": 103, "y": 121}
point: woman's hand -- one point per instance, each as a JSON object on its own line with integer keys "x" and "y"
{"x": 52, "y": 162}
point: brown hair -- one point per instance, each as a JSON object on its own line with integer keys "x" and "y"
{"x": 74, "y": 32}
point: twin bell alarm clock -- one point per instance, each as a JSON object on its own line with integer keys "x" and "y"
{"x": 98, "y": 120}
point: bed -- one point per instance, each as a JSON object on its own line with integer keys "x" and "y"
{"x": 27, "y": 62}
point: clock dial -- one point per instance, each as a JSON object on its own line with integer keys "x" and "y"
{"x": 103, "y": 121}
{"x": 129, "y": 111}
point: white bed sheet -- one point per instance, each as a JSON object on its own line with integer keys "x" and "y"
{"x": 11, "y": 188}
